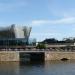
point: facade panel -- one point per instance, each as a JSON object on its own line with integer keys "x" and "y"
{"x": 14, "y": 35}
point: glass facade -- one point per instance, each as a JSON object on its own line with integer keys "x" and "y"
{"x": 32, "y": 42}
{"x": 13, "y": 42}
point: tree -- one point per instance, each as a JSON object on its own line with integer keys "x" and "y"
{"x": 51, "y": 40}
{"x": 41, "y": 46}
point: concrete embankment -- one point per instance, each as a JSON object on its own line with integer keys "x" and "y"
{"x": 47, "y": 55}
{"x": 9, "y": 56}
{"x": 59, "y": 55}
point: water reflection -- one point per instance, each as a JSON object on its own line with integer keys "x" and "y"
{"x": 9, "y": 68}
{"x": 38, "y": 68}
{"x": 32, "y": 63}
{"x": 60, "y": 67}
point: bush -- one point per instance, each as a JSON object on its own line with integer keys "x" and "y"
{"x": 41, "y": 46}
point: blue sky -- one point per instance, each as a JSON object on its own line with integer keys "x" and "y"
{"x": 48, "y": 18}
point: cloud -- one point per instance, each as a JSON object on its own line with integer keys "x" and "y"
{"x": 66, "y": 21}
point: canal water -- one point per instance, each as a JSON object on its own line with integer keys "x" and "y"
{"x": 46, "y": 68}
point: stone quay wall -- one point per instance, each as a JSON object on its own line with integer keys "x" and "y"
{"x": 15, "y": 55}
{"x": 59, "y": 55}
{"x": 9, "y": 56}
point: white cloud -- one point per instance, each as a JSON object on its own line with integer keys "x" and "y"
{"x": 68, "y": 20}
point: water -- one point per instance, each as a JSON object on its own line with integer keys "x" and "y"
{"x": 47, "y": 68}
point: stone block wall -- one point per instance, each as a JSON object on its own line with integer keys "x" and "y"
{"x": 9, "y": 56}
{"x": 59, "y": 55}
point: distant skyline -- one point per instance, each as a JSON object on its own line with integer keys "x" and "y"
{"x": 48, "y": 18}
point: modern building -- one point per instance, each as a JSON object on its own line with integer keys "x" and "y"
{"x": 14, "y": 35}
{"x": 32, "y": 42}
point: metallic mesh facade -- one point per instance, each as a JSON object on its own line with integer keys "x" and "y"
{"x": 15, "y": 32}
{"x": 14, "y": 35}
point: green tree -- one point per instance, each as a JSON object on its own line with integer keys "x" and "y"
{"x": 41, "y": 46}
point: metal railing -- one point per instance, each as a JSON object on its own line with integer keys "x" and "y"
{"x": 22, "y": 49}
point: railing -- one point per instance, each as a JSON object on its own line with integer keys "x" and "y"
{"x": 55, "y": 50}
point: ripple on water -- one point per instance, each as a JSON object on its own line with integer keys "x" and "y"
{"x": 47, "y": 68}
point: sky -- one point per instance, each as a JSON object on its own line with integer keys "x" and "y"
{"x": 48, "y": 18}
